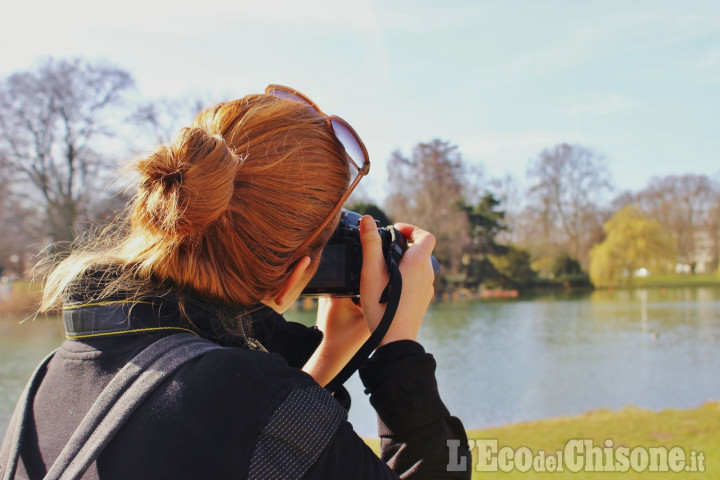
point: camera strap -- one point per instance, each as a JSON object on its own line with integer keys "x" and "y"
{"x": 117, "y": 402}
{"x": 391, "y": 297}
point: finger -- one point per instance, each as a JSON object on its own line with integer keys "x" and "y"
{"x": 418, "y": 237}
{"x": 374, "y": 275}
{"x": 373, "y": 260}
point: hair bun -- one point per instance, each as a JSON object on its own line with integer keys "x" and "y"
{"x": 188, "y": 185}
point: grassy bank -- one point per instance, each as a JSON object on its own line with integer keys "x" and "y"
{"x": 677, "y": 280}
{"x": 695, "y": 429}
{"x": 669, "y": 280}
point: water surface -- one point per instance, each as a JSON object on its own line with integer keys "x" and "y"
{"x": 509, "y": 361}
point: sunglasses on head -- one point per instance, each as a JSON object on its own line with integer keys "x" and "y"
{"x": 355, "y": 150}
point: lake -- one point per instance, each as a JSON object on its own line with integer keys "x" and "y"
{"x": 516, "y": 360}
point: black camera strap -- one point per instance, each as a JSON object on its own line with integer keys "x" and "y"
{"x": 115, "y": 405}
{"x": 390, "y": 296}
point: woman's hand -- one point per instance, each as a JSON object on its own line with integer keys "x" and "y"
{"x": 417, "y": 275}
{"x": 347, "y": 326}
{"x": 344, "y": 331}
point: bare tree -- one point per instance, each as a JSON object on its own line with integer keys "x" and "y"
{"x": 713, "y": 224}
{"x": 428, "y": 189}
{"x": 5, "y": 221}
{"x": 160, "y": 119}
{"x": 51, "y": 120}
{"x": 570, "y": 181}
{"x": 18, "y": 225}
{"x": 686, "y": 206}
{"x": 535, "y": 229}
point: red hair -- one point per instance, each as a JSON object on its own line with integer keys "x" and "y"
{"x": 223, "y": 209}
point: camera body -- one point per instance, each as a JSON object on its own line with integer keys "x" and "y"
{"x": 338, "y": 274}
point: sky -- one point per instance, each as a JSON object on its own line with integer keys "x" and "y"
{"x": 638, "y": 82}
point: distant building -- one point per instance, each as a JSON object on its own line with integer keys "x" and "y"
{"x": 706, "y": 254}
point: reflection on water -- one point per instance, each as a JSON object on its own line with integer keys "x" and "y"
{"x": 524, "y": 359}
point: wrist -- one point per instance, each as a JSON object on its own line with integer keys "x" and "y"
{"x": 393, "y": 337}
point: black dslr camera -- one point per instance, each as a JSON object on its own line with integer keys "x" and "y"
{"x": 339, "y": 272}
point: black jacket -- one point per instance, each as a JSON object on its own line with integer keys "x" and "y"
{"x": 236, "y": 412}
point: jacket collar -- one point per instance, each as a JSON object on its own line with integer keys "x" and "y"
{"x": 118, "y": 316}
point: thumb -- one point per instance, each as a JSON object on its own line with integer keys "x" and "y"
{"x": 373, "y": 269}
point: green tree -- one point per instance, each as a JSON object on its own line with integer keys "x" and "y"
{"x": 568, "y": 271}
{"x": 369, "y": 208}
{"x": 564, "y": 264}
{"x": 514, "y": 267}
{"x": 632, "y": 241}
{"x": 688, "y": 207}
{"x": 485, "y": 222}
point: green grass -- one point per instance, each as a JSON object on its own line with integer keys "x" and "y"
{"x": 677, "y": 280}
{"x": 669, "y": 280}
{"x": 695, "y": 429}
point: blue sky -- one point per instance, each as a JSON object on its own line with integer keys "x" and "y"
{"x": 636, "y": 81}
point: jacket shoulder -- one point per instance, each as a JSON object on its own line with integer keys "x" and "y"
{"x": 230, "y": 410}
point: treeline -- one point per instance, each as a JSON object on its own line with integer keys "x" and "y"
{"x": 568, "y": 227}
{"x": 65, "y": 126}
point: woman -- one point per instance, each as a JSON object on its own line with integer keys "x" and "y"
{"x": 224, "y": 232}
